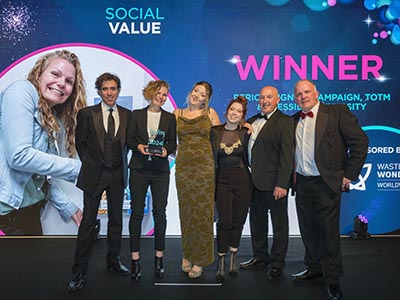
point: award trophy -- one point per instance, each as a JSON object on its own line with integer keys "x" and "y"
{"x": 156, "y": 142}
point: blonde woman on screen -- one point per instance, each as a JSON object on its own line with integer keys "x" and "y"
{"x": 32, "y": 114}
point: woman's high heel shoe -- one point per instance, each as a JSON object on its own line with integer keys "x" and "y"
{"x": 135, "y": 269}
{"x": 220, "y": 274}
{"x": 232, "y": 264}
{"x": 158, "y": 267}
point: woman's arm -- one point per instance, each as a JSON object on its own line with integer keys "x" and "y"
{"x": 25, "y": 142}
{"x": 214, "y": 117}
{"x": 64, "y": 205}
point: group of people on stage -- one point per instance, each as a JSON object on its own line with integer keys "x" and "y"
{"x": 241, "y": 165}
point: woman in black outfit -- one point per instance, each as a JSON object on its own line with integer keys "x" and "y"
{"x": 151, "y": 135}
{"x": 233, "y": 182}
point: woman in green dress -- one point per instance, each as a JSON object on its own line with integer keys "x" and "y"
{"x": 195, "y": 179}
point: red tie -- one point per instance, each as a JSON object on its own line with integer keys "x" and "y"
{"x": 303, "y": 114}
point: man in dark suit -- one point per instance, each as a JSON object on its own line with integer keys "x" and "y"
{"x": 271, "y": 151}
{"x": 330, "y": 151}
{"x": 100, "y": 143}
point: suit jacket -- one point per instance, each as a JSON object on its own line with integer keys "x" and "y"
{"x": 340, "y": 144}
{"x": 272, "y": 154}
{"x": 89, "y": 138}
{"x": 215, "y": 139}
{"x": 137, "y": 134}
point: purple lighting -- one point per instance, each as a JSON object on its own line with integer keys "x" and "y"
{"x": 363, "y": 219}
{"x": 360, "y": 228}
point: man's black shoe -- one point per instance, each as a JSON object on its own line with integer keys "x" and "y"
{"x": 306, "y": 275}
{"x": 334, "y": 292}
{"x": 274, "y": 274}
{"x": 118, "y": 268}
{"x": 253, "y": 263}
{"x": 77, "y": 282}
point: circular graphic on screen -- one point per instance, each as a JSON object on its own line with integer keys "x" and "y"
{"x": 95, "y": 60}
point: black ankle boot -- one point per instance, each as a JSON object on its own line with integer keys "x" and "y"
{"x": 158, "y": 267}
{"x": 135, "y": 269}
{"x": 220, "y": 274}
{"x": 232, "y": 264}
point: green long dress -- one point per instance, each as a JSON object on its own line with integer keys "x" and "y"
{"x": 194, "y": 175}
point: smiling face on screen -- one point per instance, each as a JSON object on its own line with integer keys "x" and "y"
{"x": 57, "y": 81}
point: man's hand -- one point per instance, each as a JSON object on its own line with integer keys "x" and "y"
{"x": 279, "y": 192}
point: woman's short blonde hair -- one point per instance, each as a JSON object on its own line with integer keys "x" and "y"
{"x": 151, "y": 89}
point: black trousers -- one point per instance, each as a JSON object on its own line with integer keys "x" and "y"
{"x": 139, "y": 182}
{"x": 111, "y": 181}
{"x": 263, "y": 203}
{"x": 318, "y": 211}
{"x": 233, "y": 196}
{"x": 24, "y": 221}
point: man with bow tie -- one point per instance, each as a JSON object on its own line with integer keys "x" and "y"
{"x": 330, "y": 151}
{"x": 271, "y": 155}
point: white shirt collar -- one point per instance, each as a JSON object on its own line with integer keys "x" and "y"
{"x": 105, "y": 107}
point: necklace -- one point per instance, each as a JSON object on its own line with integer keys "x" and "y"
{"x": 229, "y": 149}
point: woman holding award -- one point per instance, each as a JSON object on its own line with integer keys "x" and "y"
{"x": 151, "y": 135}
{"x": 195, "y": 181}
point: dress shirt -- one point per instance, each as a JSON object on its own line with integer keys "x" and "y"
{"x": 106, "y": 111}
{"x": 305, "y": 145}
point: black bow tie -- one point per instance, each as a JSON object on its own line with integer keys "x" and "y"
{"x": 261, "y": 116}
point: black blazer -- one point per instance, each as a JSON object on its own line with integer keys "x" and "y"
{"x": 272, "y": 154}
{"x": 216, "y": 133}
{"x": 137, "y": 134}
{"x": 89, "y": 140}
{"x": 340, "y": 144}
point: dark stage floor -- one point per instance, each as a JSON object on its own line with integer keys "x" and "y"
{"x": 40, "y": 268}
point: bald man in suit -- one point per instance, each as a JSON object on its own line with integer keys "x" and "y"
{"x": 271, "y": 152}
{"x": 331, "y": 149}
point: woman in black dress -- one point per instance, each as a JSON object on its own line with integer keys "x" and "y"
{"x": 233, "y": 182}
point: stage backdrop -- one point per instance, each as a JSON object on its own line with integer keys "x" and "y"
{"x": 349, "y": 48}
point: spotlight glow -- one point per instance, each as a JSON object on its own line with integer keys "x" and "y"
{"x": 368, "y": 21}
{"x": 382, "y": 78}
{"x": 234, "y": 60}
